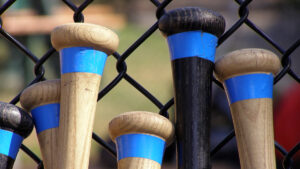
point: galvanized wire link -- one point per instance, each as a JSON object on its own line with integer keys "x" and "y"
{"x": 121, "y": 67}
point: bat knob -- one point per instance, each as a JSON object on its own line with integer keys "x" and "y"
{"x": 246, "y": 61}
{"x": 84, "y": 35}
{"x": 15, "y": 119}
{"x": 191, "y": 19}
{"x": 141, "y": 138}
{"x": 15, "y": 125}
{"x": 247, "y": 73}
{"x": 40, "y": 93}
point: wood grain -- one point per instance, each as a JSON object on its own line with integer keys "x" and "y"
{"x": 79, "y": 93}
{"x": 39, "y": 94}
{"x": 137, "y": 163}
{"x": 252, "y": 118}
{"x": 84, "y": 35}
{"x": 48, "y": 145}
{"x": 253, "y": 122}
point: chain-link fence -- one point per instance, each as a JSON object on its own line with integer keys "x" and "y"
{"x": 121, "y": 66}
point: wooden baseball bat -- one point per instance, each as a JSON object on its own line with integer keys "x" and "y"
{"x": 15, "y": 125}
{"x": 247, "y": 76}
{"x": 192, "y": 35}
{"x": 141, "y": 138}
{"x": 83, "y": 51}
{"x": 42, "y": 100}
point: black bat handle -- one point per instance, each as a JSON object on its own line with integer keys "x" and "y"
{"x": 15, "y": 125}
{"x": 192, "y": 34}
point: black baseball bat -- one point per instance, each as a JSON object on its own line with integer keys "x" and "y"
{"x": 15, "y": 125}
{"x": 192, "y": 34}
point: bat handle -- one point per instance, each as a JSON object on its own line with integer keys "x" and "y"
{"x": 42, "y": 99}
{"x": 247, "y": 76}
{"x": 83, "y": 51}
{"x": 141, "y": 138}
{"x": 192, "y": 35}
{"x": 16, "y": 125}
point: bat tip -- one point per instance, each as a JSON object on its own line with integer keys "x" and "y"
{"x": 40, "y": 93}
{"x": 15, "y": 119}
{"x": 142, "y": 122}
{"x": 84, "y": 35}
{"x": 244, "y": 61}
{"x": 191, "y": 19}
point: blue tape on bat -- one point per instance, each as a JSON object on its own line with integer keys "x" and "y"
{"x": 250, "y": 86}
{"x": 192, "y": 44}
{"x": 46, "y": 116}
{"x": 82, "y": 59}
{"x": 10, "y": 143}
{"x": 140, "y": 145}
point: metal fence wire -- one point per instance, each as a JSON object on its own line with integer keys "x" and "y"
{"x": 121, "y": 67}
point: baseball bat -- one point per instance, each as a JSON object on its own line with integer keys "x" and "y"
{"x": 83, "y": 51}
{"x": 141, "y": 138}
{"x": 247, "y": 76}
{"x": 15, "y": 125}
{"x": 192, "y": 35}
{"x": 42, "y": 100}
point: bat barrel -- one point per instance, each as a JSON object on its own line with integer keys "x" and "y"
{"x": 141, "y": 138}
{"x": 43, "y": 101}
{"x": 15, "y": 125}
{"x": 247, "y": 76}
{"x": 192, "y": 35}
{"x": 83, "y": 51}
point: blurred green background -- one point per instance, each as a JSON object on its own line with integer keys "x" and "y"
{"x": 149, "y": 64}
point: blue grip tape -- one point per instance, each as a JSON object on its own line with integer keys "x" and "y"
{"x": 140, "y": 145}
{"x": 82, "y": 59}
{"x": 46, "y": 116}
{"x": 193, "y": 44}
{"x": 10, "y": 143}
{"x": 250, "y": 86}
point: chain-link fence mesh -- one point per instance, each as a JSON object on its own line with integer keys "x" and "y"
{"x": 121, "y": 66}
